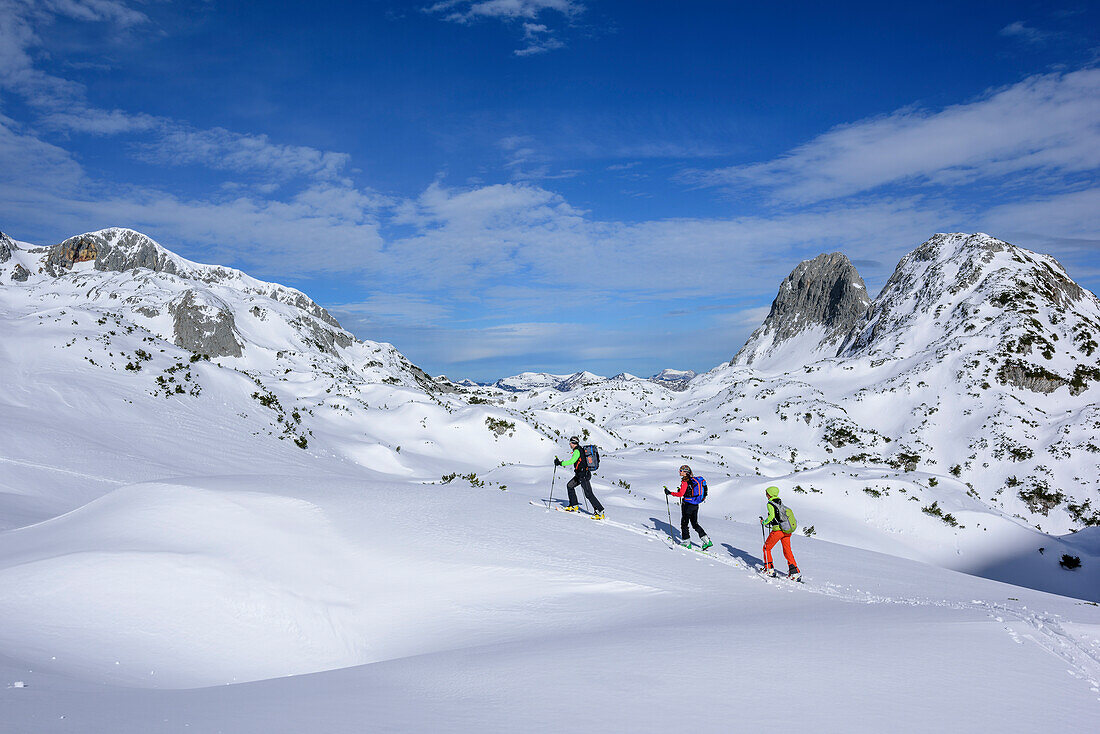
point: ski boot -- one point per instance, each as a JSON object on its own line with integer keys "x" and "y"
{"x": 794, "y": 574}
{"x": 599, "y": 515}
{"x": 686, "y": 543}
{"x": 770, "y": 572}
{"x": 707, "y": 542}
{"x": 572, "y": 508}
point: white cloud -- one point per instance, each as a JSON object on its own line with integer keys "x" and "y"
{"x": 1048, "y": 124}
{"x": 1074, "y": 215}
{"x": 538, "y": 36}
{"x": 395, "y": 309}
{"x": 1021, "y": 30}
{"x": 94, "y": 121}
{"x": 327, "y": 227}
{"x": 63, "y": 105}
{"x": 28, "y": 162}
{"x": 473, "y": 239}
{"x": 94, "y": 10}
{"x": 19, "y": 35}
{"x": 539, "y": 39}
{"x": 464, "y": 11}
{"x": 220, "y": 149}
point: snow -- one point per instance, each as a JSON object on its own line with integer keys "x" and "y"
{"x": 431, "y": 620}
{"x": 175, "y": 561}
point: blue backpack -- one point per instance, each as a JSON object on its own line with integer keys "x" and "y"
{"x": 590, "y": 455}
{"x": 697, "y": 491}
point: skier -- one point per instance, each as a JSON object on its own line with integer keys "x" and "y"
{"x": 582, "y": 475}
{"x": 691, "y": 494}
{"x": 781, "y": 521}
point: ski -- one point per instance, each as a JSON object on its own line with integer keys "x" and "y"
{"x": 766, "y": 576}
{"x": 559, "y": 508}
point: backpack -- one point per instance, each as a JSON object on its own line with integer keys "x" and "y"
{"x": 784, "y": 516}
{"x": 698, "y": 488}
{"x": 591, "y": 457}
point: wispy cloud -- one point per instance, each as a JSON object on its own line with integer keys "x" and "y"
{"x": 220, "y": 149}
{"x": 538, "y": 36}
{"x": 473, "y": 236}
{"x": 19, "y": 35}
{"x": 63, "y": 106}
{"x": 395, "y": 309}
{"x": 1047, "y": 124}
{"x": 1022, "y": 31}
{"x": 464, "y": 11}
{"x": 539, "y": 39}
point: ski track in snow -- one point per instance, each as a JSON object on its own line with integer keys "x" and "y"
{"x": 1042, "y": 629}
{"x": 47, "y": 467}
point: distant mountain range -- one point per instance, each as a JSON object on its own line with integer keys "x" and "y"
{"x": 524, "y": 381}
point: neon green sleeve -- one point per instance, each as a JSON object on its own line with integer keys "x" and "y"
{"x": 771, "y": 514}
{"x": 573, "y": 459}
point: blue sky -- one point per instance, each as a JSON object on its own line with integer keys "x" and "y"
{"x": 505, "y": 185}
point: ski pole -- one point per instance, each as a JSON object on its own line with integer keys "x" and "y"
{"x": 762, "y": 533}
{"x": 550, "y": 501}
{"x": 669, "y": 508}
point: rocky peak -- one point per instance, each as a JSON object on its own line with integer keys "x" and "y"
{"x": 817, "y": 305}
{"x": 7, "y": 247}
{"x": 118, "y": 249}
{"x": 957, "y": 284}
{"x": 113, "y": 249}
{"x": 579, "y": 379}
{"x": 674, "y": 379}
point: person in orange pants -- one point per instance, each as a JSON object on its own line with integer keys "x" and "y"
{"x": 782, "y": 524}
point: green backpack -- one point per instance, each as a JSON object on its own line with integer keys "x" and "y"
{"x": 784, "y": 516}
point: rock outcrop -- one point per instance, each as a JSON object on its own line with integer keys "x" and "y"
{"x": 6, "y": 248}
{"x": 815, "y": 309}
{"x": 674, "y": 379}
{"x": 204, "y": 324}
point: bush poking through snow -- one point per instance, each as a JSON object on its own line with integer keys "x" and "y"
{"x": 471, "y": 478}
{"x": 1040, "y": 498}
{"x": 1069, "y": 562}
{"x": 499, "y": 426}
{"x": 808, "y": 530}
{"x": 1083, "y": 513}
{"x": 934, "y": 510}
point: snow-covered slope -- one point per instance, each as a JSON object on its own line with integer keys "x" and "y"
{"x": 967, "y": 383}
{"x": 205, "y": 481}
{"x": 148, "y": 342}
{"x": 105, "y": 367}
{"x": 468, "y": 609}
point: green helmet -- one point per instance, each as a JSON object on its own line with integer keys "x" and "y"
{"x": 772, "y": 492}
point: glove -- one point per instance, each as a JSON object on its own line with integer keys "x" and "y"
{"x": 557, "y": 461}
{"x": 668, "y": 491}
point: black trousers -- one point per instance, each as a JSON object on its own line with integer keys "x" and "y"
{"x": 690, "y": 513}
{"x": 585, "y": 481}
